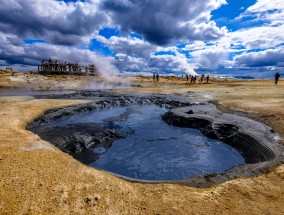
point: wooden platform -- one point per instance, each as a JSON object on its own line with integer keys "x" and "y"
{"x": 67, "y": 69}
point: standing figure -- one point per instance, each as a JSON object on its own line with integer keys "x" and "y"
{"x": 277, "y": 76}
{"x": 207, "y": 79}
{"x": 154, "y": 77}
{"x": 65, "y": 67}
{"x": 43, "y": 65}
{"x": 187, "y": 78}
{"x": 201, "y": 79}
{"x": 157, "y": 77}
{"x": 61, "y": 67}
{"x": 49, "y": 64}
{"x": 52, "y": 65}
{"x": 56, "y": 65}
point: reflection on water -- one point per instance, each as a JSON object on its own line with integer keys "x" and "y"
{"x": 153, "y": 150}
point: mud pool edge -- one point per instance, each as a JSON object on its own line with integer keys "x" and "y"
{"x": 174, "y": 103}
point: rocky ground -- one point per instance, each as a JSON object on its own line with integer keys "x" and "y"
{"x": 37, "y": 178}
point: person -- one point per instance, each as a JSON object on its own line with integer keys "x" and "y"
{"x": 154, "y": 77}
{"x": 192, "y": 78}
{"x": 49, "y": 64}
{"x": 65, "y": 66}
{"x": 61, "y": 67}
{"x": 43, "y": 65}
{"x": 207, "y": 79}
{"x": 187, "y": 78}
{"x": 201, "y": 79}
{"x": 277, "y": 76}
{"x": 56, "y": 64}
{"x": 157, "y": 77}
{"x": 69, "y": 66}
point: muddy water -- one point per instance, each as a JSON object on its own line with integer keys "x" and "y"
{"x": 153, "y": 150}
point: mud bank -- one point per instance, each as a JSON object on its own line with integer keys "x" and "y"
{"x": 255, "y": 141}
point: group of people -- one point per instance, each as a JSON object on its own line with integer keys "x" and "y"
{"x": 156, "y": 77}
{"x": 51, "y": 65}
{"x": 55, "y": 65}
{"x": 193, "y": 78}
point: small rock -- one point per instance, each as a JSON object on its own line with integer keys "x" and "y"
{"x": 190, "y": 112}
{"x": 87, "y": 200}
{"x": 97, "y": 197}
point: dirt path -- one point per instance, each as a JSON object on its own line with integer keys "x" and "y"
{"x": 37, "y": 178}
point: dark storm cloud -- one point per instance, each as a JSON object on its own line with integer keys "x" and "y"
{"x": 162, "y": 22}
{"x": 69, "y": 23}
{"x": 56, "y": 22}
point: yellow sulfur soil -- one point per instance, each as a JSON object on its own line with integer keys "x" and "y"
{"x": 37, "y": 178}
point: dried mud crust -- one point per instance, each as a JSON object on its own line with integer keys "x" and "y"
{"x": 265, "y": 118}
{"x": 253, "y": 140}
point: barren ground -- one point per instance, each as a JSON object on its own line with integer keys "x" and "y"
{"x": 37, "y": 178}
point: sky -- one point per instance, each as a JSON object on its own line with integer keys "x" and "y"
{"x": 142, "y": 37}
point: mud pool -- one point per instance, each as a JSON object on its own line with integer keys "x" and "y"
{"x": 150, "y": 148}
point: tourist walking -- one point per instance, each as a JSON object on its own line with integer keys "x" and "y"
{"x": 201, "y": 79}
{"x": 194, "y": 79}
{"x": 157, "y": 77}
{"x": 191, "y": 80}
{"x": 277, "y": 76}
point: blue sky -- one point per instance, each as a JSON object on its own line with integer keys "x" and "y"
{"x": 243, "y": 37}
{"x": 225, "y": 15}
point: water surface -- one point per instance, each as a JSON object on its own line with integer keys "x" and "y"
{"x": 153, "y": 150}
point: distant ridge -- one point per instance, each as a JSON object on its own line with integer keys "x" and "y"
{"x": 243, "y": 77}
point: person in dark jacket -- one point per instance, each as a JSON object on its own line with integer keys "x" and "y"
{"x": 157, "y": 77}
{"x": 277, "y": 76}
{"x": 187, "y": 78}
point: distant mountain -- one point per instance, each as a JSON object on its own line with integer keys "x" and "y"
{"x": 243, "y": 77}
